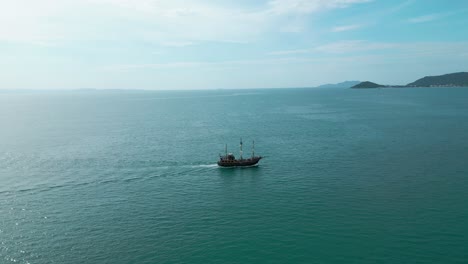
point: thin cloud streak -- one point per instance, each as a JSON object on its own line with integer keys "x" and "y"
{"x": 346, "y": 28}
{"x": 178, "y": 44}
{"x": 289, "y": 52}
{"x": 425, "y": 18}
{"x": 308, "y": 6}
{"x": 189, "y": 64}
{"x": 349, "y": 46}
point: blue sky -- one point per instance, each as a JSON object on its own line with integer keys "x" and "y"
{"x": 207, "y": 44}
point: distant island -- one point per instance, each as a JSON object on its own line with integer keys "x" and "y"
{"x": 367, "y": 84}
{"x": 459, "y": 79}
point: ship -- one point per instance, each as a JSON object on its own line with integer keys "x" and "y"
{"x": 229, "y": 160}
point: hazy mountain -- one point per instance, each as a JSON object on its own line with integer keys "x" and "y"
{"x": 345, "y": 84}
{"x": 448, "y": 80}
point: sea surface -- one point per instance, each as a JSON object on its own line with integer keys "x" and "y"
{"x": 349, "y": 176}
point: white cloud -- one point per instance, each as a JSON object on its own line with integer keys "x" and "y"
{"x": 52, "y": 22}
{"x": 308, "y": 6}
{"x": 346, "y": 28}
{"x": 24, "y": 22}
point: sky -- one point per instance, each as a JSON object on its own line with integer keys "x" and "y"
{"x": 227, "y": 44}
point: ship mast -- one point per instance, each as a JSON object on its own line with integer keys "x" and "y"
{"x": 241, "y": 148}
{"x": 225, "y": 149}
{"x": 253, "y": 148}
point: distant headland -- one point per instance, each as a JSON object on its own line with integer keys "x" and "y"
{"x": 459, "y": 79}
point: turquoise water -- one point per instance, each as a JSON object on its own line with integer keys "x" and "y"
{"x": 350, "y": 176}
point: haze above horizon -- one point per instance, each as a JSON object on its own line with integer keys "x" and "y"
{"x": 201, "y": 44}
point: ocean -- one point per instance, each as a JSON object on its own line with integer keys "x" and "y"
{"x": 349, "y": 176}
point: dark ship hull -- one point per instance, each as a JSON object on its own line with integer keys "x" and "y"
{"x": 239, "y": 163}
